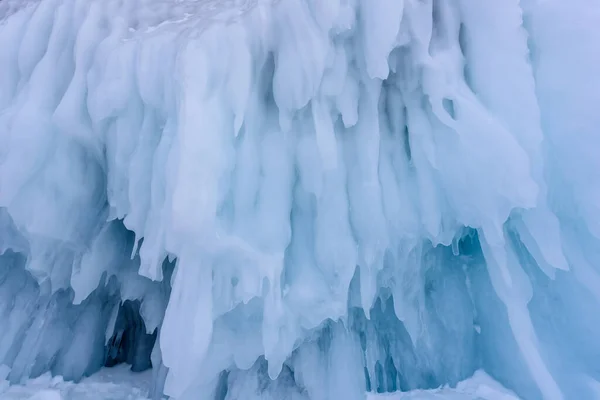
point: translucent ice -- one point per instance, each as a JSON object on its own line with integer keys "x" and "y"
{"x": 301, "y": 198}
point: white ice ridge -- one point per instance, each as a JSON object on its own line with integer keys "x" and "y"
{"x": 339, "y": 194}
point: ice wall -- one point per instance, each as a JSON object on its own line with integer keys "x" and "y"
{"x": 356, "y": 194}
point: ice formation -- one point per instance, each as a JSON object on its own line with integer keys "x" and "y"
{"x": 302, "y": 199}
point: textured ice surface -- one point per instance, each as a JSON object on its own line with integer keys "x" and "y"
{"x": 302, "y": 198}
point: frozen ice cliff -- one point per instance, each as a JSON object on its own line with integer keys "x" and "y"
{"x": 302, "y": 199}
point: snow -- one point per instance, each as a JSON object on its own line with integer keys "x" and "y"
{"x": 479, "y": 387}
{"x": 301, "y": 198}
{"x": 107, "y": 384}
{"x": 120, "y": 384}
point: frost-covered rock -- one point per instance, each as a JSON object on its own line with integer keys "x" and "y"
{"x": 302, "y": 196}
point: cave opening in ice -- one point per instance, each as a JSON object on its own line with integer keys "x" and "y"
{"x": 301, "y": 199}
{"x": 130, "y": 343}
{"x": 45, "y": 330}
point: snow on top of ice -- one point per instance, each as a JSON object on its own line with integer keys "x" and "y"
{"x": 149, "y": 15}
{"x": 9, "y": 7}
{"x": 155, "y": 14}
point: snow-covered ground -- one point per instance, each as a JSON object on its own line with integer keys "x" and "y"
{"x": 479, "y": 387}
{"x": 119, "y": 383}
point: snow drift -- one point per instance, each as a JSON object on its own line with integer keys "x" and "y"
{"x": 301, "y": 199}
{"x": 119, "y": 384}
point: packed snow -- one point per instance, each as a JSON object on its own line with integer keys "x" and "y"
{"x": 120, "y": 384}
{"x": 117, "y": 383}
{"x": 301, "y": 199}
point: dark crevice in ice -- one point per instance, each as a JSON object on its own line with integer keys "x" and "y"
{"x": 130, "y": 343}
